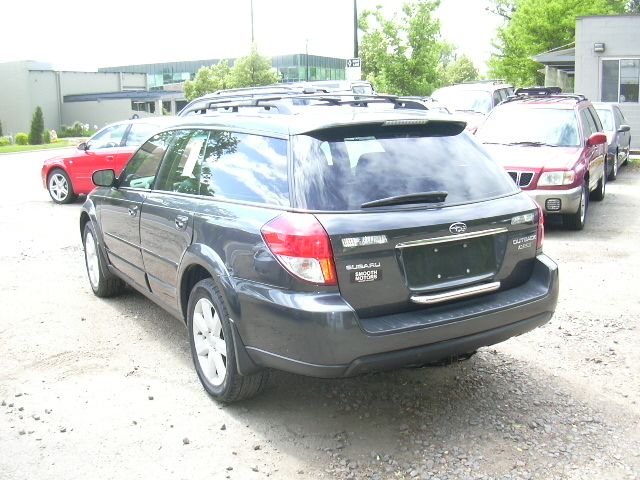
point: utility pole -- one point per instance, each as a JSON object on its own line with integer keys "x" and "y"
{"x": 355, "y": 29}
{"x": 252, "y": 37}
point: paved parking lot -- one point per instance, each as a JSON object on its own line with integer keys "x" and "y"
{"x": 93, "y": 388}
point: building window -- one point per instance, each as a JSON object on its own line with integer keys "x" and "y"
{"x": 621, "y": 80}
{"x": 138, "y": 106}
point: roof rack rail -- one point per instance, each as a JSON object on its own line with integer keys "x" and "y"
{"x": 267, "y": 102}
{"x": 538, "y": 91}
{"x": 542, "y": 92}
{"x": 495, "y": 81}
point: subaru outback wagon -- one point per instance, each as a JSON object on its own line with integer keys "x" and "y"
{"x": 327, "y": 241}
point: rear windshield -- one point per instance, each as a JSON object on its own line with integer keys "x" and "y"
{"x": 341, "y": 170}
{"x": 464, "y": 100}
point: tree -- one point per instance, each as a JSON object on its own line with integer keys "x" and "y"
{"x": 536, "y": 26}
{"x": 36, "y": 134}
{"x": 404, "y": 54}
{"x": 0, "y": 129}
{"x": 503, "y": 8}
{"x": 252, "y": 71}
{"x": 208, "y": 80}
{"x": 460, "y": 70}
{"x": 633, "y": 6}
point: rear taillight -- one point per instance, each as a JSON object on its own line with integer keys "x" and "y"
{"x": 302, "y": 246}
{"x": 540, "y": 236}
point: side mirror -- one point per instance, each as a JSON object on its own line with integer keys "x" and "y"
{"x": 624, "y": 128}
{"x": 104, "y": 178}
{"x": 596, "y": 139}
{"x": 83, "y": 146}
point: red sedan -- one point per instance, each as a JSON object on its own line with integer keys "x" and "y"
{"x": 67, "y": 176}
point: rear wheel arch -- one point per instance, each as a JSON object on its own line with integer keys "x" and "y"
{"x": 191, "y": 275}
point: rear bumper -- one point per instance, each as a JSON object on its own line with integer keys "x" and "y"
{"x": 569, "y": 199}
{"x": 320, "y": 335}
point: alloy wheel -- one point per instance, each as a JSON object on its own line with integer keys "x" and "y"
{"x": 93, "y": 265}
{"x": 583, "y": 205}
{"x": 209, "y": 342}
{"x": 59, "y": 187}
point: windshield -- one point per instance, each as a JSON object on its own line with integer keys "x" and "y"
{"x": 550, "y": 126}
{"x": 606, "y": 117}
{"x": 459, "y": 99}
{"x": 342, "y": 169}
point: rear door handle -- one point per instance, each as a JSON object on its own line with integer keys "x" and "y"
{"x": 181, "y": 222}
{"x": 133, "y": 211}
{"x": 110, "y": 158}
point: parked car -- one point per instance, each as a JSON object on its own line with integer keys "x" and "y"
{"x": 618, "y": 136}
{"x": 553, "y": 147}
{"x": 327, "y": 241}
{"x": 67, "y": 176}
{"x": 473, "y": 100}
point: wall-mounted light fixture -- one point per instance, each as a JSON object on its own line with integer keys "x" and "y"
{"x": 598, "y": 47}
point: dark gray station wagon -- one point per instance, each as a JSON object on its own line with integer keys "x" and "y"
{"x": 327, "y": 241}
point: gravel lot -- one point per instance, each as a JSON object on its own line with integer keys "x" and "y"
{"x": 93, "y": 388}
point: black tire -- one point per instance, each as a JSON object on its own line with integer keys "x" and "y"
{"x": 234, "y": 387}
{"x": 614, "y": 168}
{"x": 601, "y": 189}
{"x": 57, "y": 176}
{"x": 626, "y": 160}
{"x": 576, "y": 221}
{"x": 103, "y": 282}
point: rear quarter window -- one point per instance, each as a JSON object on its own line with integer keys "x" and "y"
{"x": 341, "y": 171}
{"x": 251, "y": 168}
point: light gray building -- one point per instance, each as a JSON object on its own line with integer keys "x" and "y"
{"x": 96, "y": 98}
{"x": 604, "y": 64}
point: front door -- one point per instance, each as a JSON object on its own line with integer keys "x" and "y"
{"x": 166, "y": 224}
{"x": 120, "y": 211}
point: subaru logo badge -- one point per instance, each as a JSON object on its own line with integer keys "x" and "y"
{"x": 458, "y": 227}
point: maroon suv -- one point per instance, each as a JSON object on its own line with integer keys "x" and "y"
{"x": 553, "y": 147}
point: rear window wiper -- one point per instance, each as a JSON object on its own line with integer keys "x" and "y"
{"x": 533, "y": 144}
{"x": 422, "y": 197}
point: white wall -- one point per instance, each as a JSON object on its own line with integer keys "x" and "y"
{"x": 14, "y": 98}
{"x": 43, "y": 92}
{"x": 621, "y": 36}
{"x": 98, "y": 113}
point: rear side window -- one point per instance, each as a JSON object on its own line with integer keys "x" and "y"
{"x": 179, "y": 171}
{"x": 588, "y": 124}
{"x": 250, "y": 168}
{"x": 343, "y": 169}
{"x": 139, "y": 133}
{"x": 110, "y": 137}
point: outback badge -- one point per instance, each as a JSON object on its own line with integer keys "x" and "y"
{"x": 457, "y": 228}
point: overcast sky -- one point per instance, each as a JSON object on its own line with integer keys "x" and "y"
{"x": 87, "y": 34}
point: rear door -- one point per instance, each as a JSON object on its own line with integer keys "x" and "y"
{"x": 392, "y": 258}
{"x": 119, "y": 212}
{"x": 166, "y": 224}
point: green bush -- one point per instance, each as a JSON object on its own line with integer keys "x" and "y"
{"x": 36, "y": 134}
{"x": 22, "y": 139}
{"x": 4, "y": 141}
{"x": 47, "y": 136}
{"x": 77, "y": 130}
{"x": 0, "y": 129}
